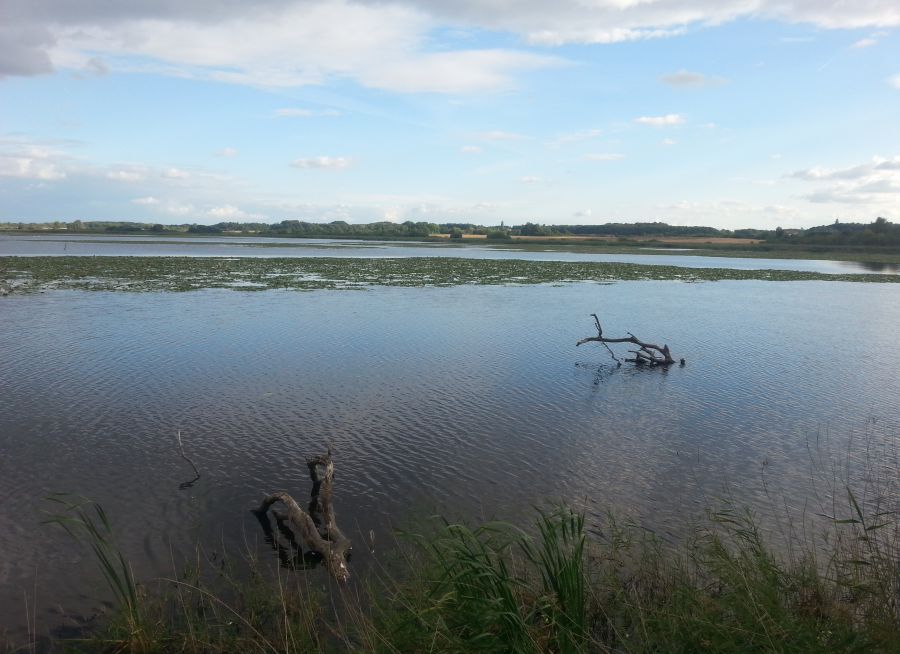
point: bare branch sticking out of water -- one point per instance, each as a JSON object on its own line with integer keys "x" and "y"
{"x": 186, "y": 484}
{"x": 648, "y": 353}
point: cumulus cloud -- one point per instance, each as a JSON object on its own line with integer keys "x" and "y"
{"x": 323, "y": 163}
{"x": 661, "y": 121}
{"x": 148, "y": 201}
{"x": 668, "y": 142}
{"x": 180, "y": 209}
{"x": 25, "y": 160}
{"x": 125, "y": 175}
{"x": 231, "y": 212}
{"x": 894, "y": 81}
{"x": 685, "y": 79}
{"x": 175, "y": 173}
{"x": 876, "y": 182}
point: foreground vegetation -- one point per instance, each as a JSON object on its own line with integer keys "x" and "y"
{"x": 498, "y": 588}
{"x": 30, "y": 274}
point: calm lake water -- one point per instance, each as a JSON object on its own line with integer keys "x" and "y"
{"x": 85, "y": 245}
{"x": 470, "y": 401}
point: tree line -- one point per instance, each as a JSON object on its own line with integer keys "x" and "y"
{"x": 880, "y": 232}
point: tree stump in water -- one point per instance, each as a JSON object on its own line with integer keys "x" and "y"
{"x": 316, "y": 530}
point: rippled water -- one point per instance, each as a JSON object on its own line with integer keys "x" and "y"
{"x": 84, "y": 245}
{"x": 472, "y": 401}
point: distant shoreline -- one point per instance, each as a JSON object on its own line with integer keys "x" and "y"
{"x": 707, "y": 246}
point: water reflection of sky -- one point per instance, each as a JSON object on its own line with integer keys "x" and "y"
{"x": 470, "y": 401}
{"x": 89, "y": 245}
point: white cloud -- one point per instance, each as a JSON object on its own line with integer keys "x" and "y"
{"x": 604, "y": 156}
{"x": 180, "y": 209}
{"x": 229, "y": 212}
{"x": 661, "y": 121}
{"x": 30, "y": 161}
{"x": 288, "y": 43}
{"x": 609, "y": 21}
{"x": 465, "y": 71}
{"x": 865, "y": 43}
{"x": 227, "y": 153}
{"x": 894, "y": 81}
{"x": 668, "y": 142}
{"x": 776, "y": 156}
{"x": 147, "y": 201}
{"x": 531, "y": 179}
{"x": 875, "y": 183}
{"x": 470, "y": 149}
{"x": 175, "y": 173}
{"x": 385, "y": 45}
{"x": 685, "y": 79}
{"x": 290, "y": 112}
{"x": 125, "y": 175}
{"x": 331, "y": 163}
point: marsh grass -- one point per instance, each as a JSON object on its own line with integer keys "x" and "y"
{"x": 496, "y": 587}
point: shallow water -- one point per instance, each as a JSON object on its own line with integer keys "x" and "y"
{"x": 471, "y": 401}
{"x": 213, "y": 246}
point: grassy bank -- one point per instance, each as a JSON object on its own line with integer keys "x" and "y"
{"x": 29, "y": 274}
{"x": 546, "y": 588}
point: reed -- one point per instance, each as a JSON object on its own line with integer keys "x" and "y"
{"x": 497, "y": 587}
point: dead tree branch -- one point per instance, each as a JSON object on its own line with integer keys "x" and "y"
{"x": 316, "y": 530}
{"x": 186, "y": 484}
{"x": 648, "y": 353}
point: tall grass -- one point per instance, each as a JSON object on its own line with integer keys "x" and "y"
{"x": 549, "y": 588}
{"x": 87, "y": 522}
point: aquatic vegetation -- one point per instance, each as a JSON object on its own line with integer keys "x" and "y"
{"x": 29, "y": 274}
{"x": 551, "y": 588}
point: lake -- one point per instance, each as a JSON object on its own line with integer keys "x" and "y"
{"x": 471, "y": 401}
{"x": 213, "y": 246}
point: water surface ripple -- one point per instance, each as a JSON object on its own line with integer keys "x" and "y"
{"x": 471, "y": 401}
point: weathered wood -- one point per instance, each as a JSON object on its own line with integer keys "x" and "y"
{"x": 648, "y": 353}
{"x": 316, "y": 530}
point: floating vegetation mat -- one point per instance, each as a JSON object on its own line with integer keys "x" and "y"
{"x": 30, "y": 274}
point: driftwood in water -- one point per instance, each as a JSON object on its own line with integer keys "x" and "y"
{"x": 186, "y": 484}
{"x": 316, "y": 530}
{"x": 648, "y": 353}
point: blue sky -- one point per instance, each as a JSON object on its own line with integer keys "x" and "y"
{"x": 733, "y": 113}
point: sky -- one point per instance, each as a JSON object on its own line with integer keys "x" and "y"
{"x": 728, "y": 113}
